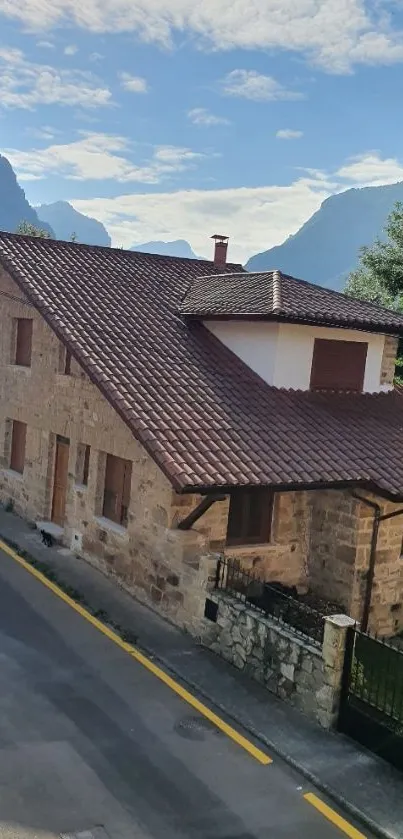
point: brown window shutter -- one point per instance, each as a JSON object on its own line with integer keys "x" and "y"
{"x": 338, "y": 365}
{"x": 18, "y": 441}
{"x": 117, "y": 489}
{"x": 23, "y": 349}
{"x": 250, "y": 517}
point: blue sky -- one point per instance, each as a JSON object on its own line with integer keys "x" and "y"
{"x": 166, "y": 119}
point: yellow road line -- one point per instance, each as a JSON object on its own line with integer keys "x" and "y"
{"x": 231, "y": 732}
{"x": 333, "y": 817}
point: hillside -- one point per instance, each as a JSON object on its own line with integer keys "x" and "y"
{"x": 66, "y": 221}
{"x": 326, "y": 248}
{"x": 14, "y": 207}
{"x": 177, "y": 248}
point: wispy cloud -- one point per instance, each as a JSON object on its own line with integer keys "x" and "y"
{"x": 288, "y": 134}
{"x": 332, "y": 34}
{"x": 71, "y": 49}
{"x": 45, "y": 45}
{"x": 24, "y": 84}
{"x": 202, "y": 116}
{"x": 134, "y": 84}
{"x": 101, "y": 157}
{"x": 252, "y": 85}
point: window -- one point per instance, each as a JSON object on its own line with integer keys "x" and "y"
{"x": 64, "y": 360}
{"x": 250, "y": 517}
{"x": 118, "y": 474}
{"x": 23, "y": 342}
{"x": 83, "y": 464}
{"x": 18, "y": 438}
{"x": 338, "y": 365}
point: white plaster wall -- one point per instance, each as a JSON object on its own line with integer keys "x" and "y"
{"x": 282, "y": 353}
{"x": 253, "y": 341}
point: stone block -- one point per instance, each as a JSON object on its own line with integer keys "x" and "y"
{"x": 287, "y": 670}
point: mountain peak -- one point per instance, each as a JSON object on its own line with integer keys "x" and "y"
{"x": 67, "y": 221}
{"x": 179, "y": 247}
{"x": 327, "y": 247}
{"x": 14, "y": 207}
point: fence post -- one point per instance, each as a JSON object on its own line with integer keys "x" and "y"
{"x": 333, "y": 653}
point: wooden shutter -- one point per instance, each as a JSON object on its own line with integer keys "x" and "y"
{"x": 67, "y": 363}
{"x": 338, "y": 365}
{"x": 117, "y": 489}
{"x": 18, "y": 440}
{"x": 23, "y": 349}
{"x": 250, "y": 517}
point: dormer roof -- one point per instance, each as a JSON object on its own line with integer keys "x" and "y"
{"x": 272, "y": 295}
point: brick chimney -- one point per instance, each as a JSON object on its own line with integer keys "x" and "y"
{"x": 220, "y": 250}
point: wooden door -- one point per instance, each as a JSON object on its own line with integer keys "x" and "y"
{"x": 60, "y": 480}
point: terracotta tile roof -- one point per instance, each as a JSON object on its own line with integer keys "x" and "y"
{"x": 200, "y": 412}
{"x": 276, "y": 296}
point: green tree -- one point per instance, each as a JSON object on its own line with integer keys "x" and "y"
{"x": 25, "y": 228}
{"x": 379, "y": 276}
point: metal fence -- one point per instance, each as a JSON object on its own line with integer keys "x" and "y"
{"x": 270, "y": 599}
{"x": 371, "y": 708}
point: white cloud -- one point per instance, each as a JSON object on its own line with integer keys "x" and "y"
{"x": 333, "y": 34}
{"x": 24, "y": 84}
{"x": 97, "y": 156}
{"x": 46, "y": 132}
{"x": 134, "y": 84}
{"x": 71, "y": 49}
{"x": 252, "y": 85}
{"x": 201, "y": 116}
{"x": 371, "y": 170}
{"x": 288, "y": 134}
{"x": 254, "y": 218}
{"x": 46, "y": 45}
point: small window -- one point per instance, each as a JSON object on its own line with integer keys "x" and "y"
{"x": 250, "y": 517}
{"x": 18, "y": 439}
{"x": 64, "y": 360}
{"x": 118, "y": 474}
{"x": 83, "y": 464}
{"x": 338, "y": 365}
{"x": 23, "y": 342}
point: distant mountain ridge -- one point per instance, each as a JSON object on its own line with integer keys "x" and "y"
{"x": 177, "y": 248}
{"x": 67, "y": 221}
{"x": 326, "y": 248}
{"x": 14, "y": 207}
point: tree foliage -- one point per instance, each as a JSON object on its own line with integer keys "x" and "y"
{"x": 27, "y": 229}
{"x": 379, "y": 276}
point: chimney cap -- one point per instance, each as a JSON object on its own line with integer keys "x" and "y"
{"x": 219, "y": 238}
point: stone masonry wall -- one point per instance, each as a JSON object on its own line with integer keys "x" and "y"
{"x": 305, "y": 676}
{"x": 168, "y": 569}
{"x": 332, "y": 545}
{"x": 389, "y": 360}
{"x": 386, "y": 612}
{"x": 283, "y": 559}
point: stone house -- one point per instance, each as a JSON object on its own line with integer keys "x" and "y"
{"x": 158, "y": 412}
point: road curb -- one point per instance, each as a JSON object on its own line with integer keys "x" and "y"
{"x": 314, "y": 779}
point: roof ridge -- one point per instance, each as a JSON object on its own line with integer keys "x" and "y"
{"x": 277, "y": 301}
{"x": 48, "y": 242}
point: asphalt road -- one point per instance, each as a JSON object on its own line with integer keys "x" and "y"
{"x": 92, "y": 744}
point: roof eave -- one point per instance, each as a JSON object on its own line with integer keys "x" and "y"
{"x": 369, "y": 485}
{"x": 277, "y": 317}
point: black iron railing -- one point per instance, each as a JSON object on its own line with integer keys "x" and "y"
{"x": 270, "y": 599}
{"x": 371, "y": 703}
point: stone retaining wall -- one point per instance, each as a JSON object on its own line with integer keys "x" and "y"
{"x": 305, "y": 676}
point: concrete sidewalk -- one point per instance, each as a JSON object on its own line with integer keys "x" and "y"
{"x": 362, "y": 784}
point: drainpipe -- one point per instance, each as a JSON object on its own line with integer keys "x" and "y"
{"x": 372, "y": 556}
